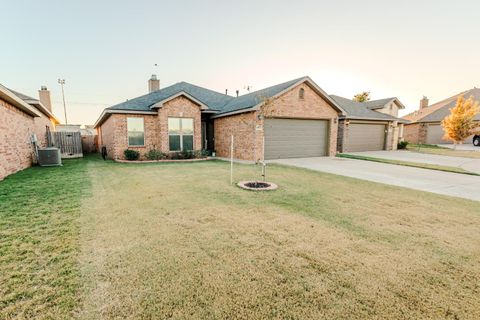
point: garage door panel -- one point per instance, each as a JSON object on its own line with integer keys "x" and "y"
{"x": 294, "y": 138}
{"x": 435, "y": 135}
{"x": 365, "y": 137}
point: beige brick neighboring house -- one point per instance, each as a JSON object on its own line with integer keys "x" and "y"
{"x": 425, "y": 123}
{"x": 20, "y": 118}
{"x": 301, "y": 121}
{"x": 370, "y": 126}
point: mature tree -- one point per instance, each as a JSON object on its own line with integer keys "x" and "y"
{"x": 362, "y": 97}
{"x": 460, "y": 124}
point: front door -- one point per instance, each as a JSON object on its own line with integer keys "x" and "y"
{"x": 204, "y": 136}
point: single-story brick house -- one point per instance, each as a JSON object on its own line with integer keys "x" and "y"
{"x": 20, "y": 117}
{"x": 301, "y": 120}
{"x": 369, "y": 126}
{"x": 425, "y": 123}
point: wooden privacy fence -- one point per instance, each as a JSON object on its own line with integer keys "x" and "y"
{"x": 70, "y": 143}
{"x": 89, "y": 143}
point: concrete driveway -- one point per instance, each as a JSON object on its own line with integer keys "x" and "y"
{"x": 452, "y": 184}
{"x": 469, "y": 164}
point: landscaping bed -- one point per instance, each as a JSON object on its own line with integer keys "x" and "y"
{"x": 160, "y": 161}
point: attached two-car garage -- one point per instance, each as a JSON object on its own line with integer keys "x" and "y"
{"x": 301, "y": 138}
{"x": 296, "y": 138}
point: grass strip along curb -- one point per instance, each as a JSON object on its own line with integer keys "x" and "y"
{"x": 409, "y": 164}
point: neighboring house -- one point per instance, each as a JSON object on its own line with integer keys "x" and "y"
{"x": 301, "y": 121}
{"x": 425, "y": 123}
{"x": 369, "y": 126}
{"x": 20, "y": 118}
{"x": 68, "y": 128}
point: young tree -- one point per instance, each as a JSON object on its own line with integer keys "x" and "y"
{"x": 362, "y": 97}
{"x": 265, "y": 110}
{"x": 460, "y": 124}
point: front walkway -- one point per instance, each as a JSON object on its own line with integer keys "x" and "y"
{"x": 452, "y": 184}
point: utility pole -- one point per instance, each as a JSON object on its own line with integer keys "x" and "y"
{"x": 62, "y": 83}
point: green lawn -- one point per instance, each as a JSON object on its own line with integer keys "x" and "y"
{"x": 39, "y": 240}
{"x": 408, "y": 164}
{"x": 97, "y": 239}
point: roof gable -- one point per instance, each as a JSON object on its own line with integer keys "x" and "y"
{"x": 180, "y": 94}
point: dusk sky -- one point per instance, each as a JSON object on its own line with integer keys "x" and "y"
{"x": 106, "y": 50}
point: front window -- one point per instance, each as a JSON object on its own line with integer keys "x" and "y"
{"x": 180, "y": 134}
{"x": 136, "y": 133}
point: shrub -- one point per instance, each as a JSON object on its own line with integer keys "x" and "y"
{"x": 402, "y": 145}
{"x": 187, "y": 154}
{"x": 131, "y": 154}
{"x": 155, "y": 154}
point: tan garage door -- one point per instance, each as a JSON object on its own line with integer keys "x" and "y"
{"x": 365, "y": 137}
{"x": 295, "y": 138}
{"x": 435, "y": 135}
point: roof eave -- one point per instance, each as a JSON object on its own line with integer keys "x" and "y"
{"x": 46, "y": 112}
{"x": 374, "y": 119}
{"x": 11, "y": 98}
{"x": 234, "y": 112}
{"x": 107, "y": 112}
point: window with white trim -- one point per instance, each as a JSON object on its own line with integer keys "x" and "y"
{"x": 136, "y": 132}
{"x": 180, "y": 134}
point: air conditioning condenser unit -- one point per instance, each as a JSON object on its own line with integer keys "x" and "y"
{"x": 48, "y": 157}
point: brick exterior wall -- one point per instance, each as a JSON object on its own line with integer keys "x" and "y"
{"x": 389, "y": 139}
{"x": 16, "y": 150}
{"x": 180, "y": 107}
{"x": 242, "y": 127}
{"x": 40, "y": 128}
{"x": 415, "y": 133}
{"x": 114, "y": 136}
{"x": 247, "y": 128}
{"x": 341, "y": 135}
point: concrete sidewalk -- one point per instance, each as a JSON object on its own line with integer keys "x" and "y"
{"x": 461, "y": 147}
{"x": 446, "y": 183}
{"x": 468, "y": 164}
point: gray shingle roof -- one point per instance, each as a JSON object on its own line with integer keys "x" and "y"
{"x": 252, "y": 99}
{"x": 214, "y": 100}
{"x": 444, "y": 110}
{"x": 362, "y": 110}
{"x": 378, "y": 104}
{"x": 24, "y": 97}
